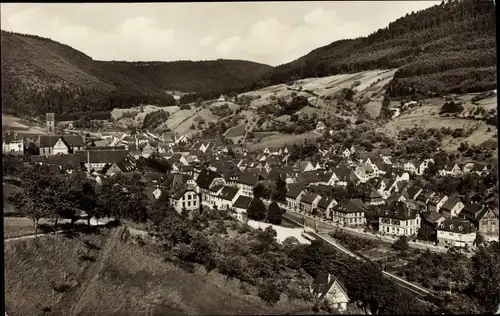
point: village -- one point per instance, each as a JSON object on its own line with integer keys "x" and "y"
{"x": 215, "y": 174}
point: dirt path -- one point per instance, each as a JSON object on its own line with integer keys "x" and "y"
{"x": 107, "y": 248}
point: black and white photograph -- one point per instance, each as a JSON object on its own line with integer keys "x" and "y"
{"x": 250, "y": 158}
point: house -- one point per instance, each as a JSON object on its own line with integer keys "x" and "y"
{"x": 453, "y": 170}
{"x": 98, "y": 159}
{"x": 349, "y": 213}
{"x": 320, "y": 127}
{"x": 222, "y": 98}
{"x": 451, "y": 207}
{"x": 123, "y": 166}
{"x": 326, "y": 287}
{"x": 207, "y": 180}
{"x": 436, "y": 202}
{"x": 456, "y": 233}
{"x": 412, "y": 192}
{"x": 375, "y": 198}
{"x": 202, "y": 145}
{"x": 424, "y": 198}
{"x": 304, "y": 166}
{"x": 64, "y": 144}
{"x": 185, "y": 198}
{"x": 483, "y": 218}
{"x": 228, "y": 196}
{"x": 325, "y": 206}
{"x": 247, "y": 181}
{"x": 241, "y": 206}
{"x": 480, "y": 169}
{"x": 141, "y": 139}
{"x": 12, "y": 144}
{"x": 147, "y": 151}
{"x": 341, "y": 176}
{"x": 293, "y": 196}
{"x": 399, "y": 219}
{"x": 309, "y": 202}
{"x": 417, "y": 167}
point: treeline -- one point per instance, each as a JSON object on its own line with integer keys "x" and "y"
{"x": 67, "y": 101}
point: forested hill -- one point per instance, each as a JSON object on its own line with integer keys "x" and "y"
{"x": 40, "y": 75}
{"x": 449, "y": 47}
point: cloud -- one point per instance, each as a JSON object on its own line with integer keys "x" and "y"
{"x": 135, "y": 38}
{"x": 229, "y": 45}
{"x": 278, "y": 41}
{"x": 206, "y": 41}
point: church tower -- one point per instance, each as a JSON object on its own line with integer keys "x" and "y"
{"x": 51, "y": 123}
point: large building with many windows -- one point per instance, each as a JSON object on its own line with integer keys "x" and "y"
{"x": 185, "y": 199}
{"x": 399, "y": 220}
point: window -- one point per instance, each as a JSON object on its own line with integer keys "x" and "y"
{"x": 189, "y": 203}
{"x": 183, "y": 205}
{"x": 387, "y": 229}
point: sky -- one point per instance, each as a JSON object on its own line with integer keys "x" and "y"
{"x": 272, "y": 33}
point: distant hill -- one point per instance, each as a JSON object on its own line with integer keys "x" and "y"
{"x": 446, "y": 48}
{"x": 40, "y": 75}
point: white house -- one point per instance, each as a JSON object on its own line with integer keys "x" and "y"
{"x": 13, "y": 146}
{"x": 456, "y": 233}
{"x": 451, "y": 207}
{"x": 185, "y": 198}
{"x": 320, "y": 127}
{"x": 226, "y": 197}
{"x": 399, "y": 220}
{"x": 293, "y": 196}
{"x": 240, "y": 207}
{"x": 326, "y": 287}
{"x": 451, "y": 170}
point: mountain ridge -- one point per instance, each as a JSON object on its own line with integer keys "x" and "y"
{"x": 48, "y": 76}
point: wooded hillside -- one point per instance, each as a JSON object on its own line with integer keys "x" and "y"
{"x": 449, "y": 47}
{"x": 40, "y": 75}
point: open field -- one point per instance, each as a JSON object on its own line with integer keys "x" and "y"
{"x": 281, "y": 140}
{"x": 427, "y": 116}
{"x": 117, "y": 277}
{"x": 12, "y": 123}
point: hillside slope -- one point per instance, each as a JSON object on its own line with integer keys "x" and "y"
{"x": 63, "y": 277}
{"x": 40, "y": 75}
{"x": 446, "y": 48}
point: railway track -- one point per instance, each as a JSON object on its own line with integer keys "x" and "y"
{"x": 421, "y": 292}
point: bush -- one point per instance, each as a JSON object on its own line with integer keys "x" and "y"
{"x": 154, "y": 119}
{"x": 451, "y": 107}
{"x": 401, "y": 244}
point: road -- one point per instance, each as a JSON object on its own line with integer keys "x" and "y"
{"x": 402, "y": 283}
{"x": 328, "y": 227}
{"x": 93, "y": 222}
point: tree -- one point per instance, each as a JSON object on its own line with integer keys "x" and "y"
{"x": 401, "y": 244}
{"x": 231, "y": 266}
{"x": 270, "y": 291}
{"x": 32, "y": 149}
{"x": 35, "y": 201}
{"x": 256, "y": 210}
{"x": 486, "y": 267}
{"x": 280, "y": 190}
{"x": 274, "y": 213}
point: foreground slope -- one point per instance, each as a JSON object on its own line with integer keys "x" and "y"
{"x": 446, "y": 48}
{"x": 41, "y": 75}
{"x": 118, "y": 277}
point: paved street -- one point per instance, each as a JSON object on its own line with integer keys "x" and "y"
{"x": 324, "y": 227}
